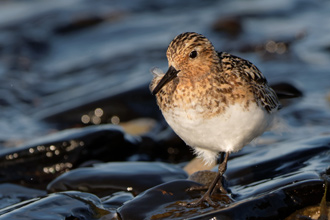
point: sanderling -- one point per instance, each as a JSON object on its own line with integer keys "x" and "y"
{"x": 214, "y": 101}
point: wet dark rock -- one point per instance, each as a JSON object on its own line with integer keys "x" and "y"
{"x": 116, "y": 200}
{"x": 270, "y": 49}
{"x": 204, "y": 177}
{"x": 232, "y": 24}
{"x": 310, "y": 213}
{"x": 33, "y": 41}
{"x": 38, "y": 163}
{"x": 104, "y": 179}
{"x": 319, "y": 212}
{"x": 68, "y": 205}
{"x": 275, "y": 205}
{"x": 229, "y": 25}
{"x": 166, "y": 202}
{"x": 84, "y": 20}
{"x": 277, "y": 48}
{"x": 115, "y": 101}
{"x": 279, "y": 164}
{"x": 166, "y": 146}
{"x": 11, "y": 194}
{"x": 285, "y": 90}
{"x": 262, "y": 185}
{"x": 79, "y": 24}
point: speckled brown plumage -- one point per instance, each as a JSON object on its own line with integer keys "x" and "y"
{"x": 220, "y": 80}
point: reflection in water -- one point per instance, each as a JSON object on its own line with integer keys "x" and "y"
{"x": 276, "y": 47}
{"x": 93, "y": 117}
{"x": 97, "y": 117}
{"x": 60, "y": 167}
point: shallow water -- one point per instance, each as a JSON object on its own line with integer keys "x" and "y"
{"x": 46, "y": 69}
{"x": 71, "y": 64}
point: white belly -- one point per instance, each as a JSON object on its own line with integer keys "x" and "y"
{"x": 228, "y": 132}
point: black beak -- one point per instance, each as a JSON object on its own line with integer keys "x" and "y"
{"x": 168, "y": 77}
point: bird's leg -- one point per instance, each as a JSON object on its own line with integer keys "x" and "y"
{"x": 221, "y": 170}
{"x": 217, "y": 180}
{"x": 222, "y": 157}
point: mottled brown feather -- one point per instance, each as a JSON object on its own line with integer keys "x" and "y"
{"x": 217, "y": 80}
{"x": 264, "y": 94}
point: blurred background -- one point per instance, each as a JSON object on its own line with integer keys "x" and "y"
{"x": 76, "y": 63}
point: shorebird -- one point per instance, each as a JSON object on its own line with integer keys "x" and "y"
{"x": 214, "y": 101}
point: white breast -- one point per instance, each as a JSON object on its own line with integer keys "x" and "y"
{"x": 228, "y": 132}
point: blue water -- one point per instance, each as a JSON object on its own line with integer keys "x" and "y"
{"x": 60, "y": 71}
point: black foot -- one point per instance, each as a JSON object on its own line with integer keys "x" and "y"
{"x": 216, "y": 183}
{"x": 197, "y": 188}
{"x": 222, "y": 189}
{"x": 202, "y": 188}
{"x": 206, "y": 198}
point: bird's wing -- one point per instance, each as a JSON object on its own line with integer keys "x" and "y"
{"x": 264, "y": 94}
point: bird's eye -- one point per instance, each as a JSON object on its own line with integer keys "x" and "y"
{"x": 193, "y": 54}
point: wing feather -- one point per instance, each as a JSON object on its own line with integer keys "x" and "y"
{"x": 264, "y": 94}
